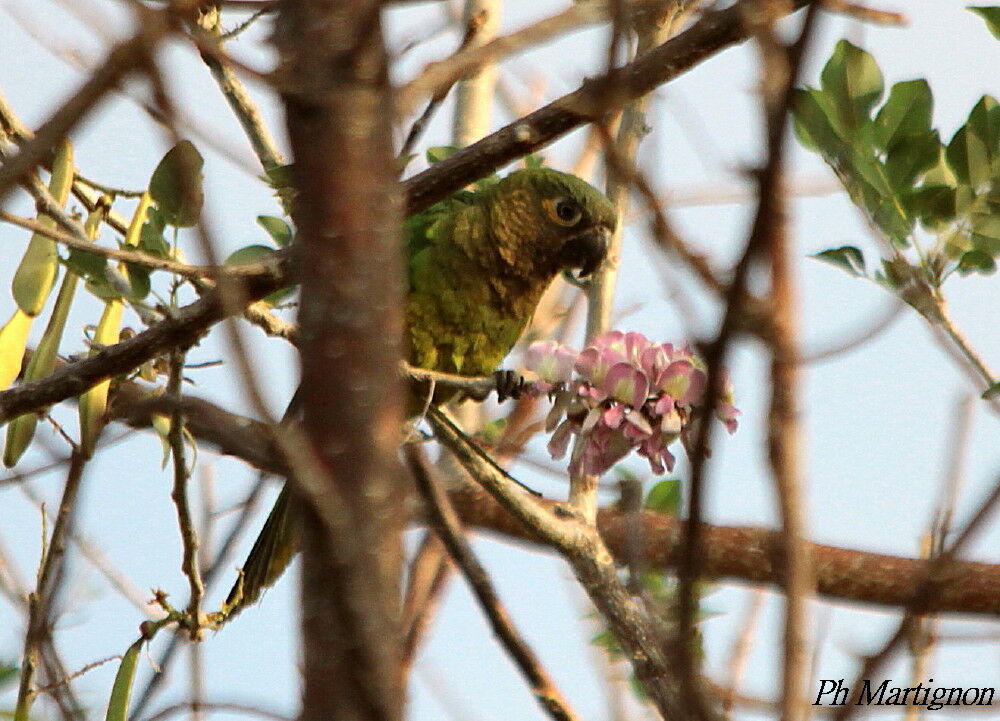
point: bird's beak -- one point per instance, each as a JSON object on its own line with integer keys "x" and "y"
{"x": 586, "y": 251}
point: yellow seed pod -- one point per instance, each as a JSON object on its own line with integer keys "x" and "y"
{"x": 36, "y": 273}
{"x": 21, "y": 430}
{"x": 94, "y": 402}
{"x": 13, "y": 337}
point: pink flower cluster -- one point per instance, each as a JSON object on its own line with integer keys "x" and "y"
{"x": 629, "y": 393}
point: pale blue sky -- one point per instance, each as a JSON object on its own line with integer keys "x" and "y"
{"x": 876, "y": 420}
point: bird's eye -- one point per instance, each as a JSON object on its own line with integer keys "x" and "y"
{"x": 565, "y": 211}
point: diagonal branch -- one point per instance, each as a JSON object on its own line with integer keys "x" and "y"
{"x": 715, "y": 31}
{"x": 123, "y": 58}
{"x": 183, "y": 329}
{"x": 743, "y": 554}
{"x": 448, "y": 527}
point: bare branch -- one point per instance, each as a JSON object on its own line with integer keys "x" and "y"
{"x": 715, "y": 31}
{"x": 122, "y": 59}
{"x": 449, "y": 529}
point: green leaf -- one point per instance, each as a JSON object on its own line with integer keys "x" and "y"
{"x": 280, "y": 177}
{"x": 665, "y": 497}
{"x": 907, "y": 112}
{"x": 534, "y": 161}
{"x": 153, "y": 244}
{"x": 8, "y": 673}
{"x": 992, "y": 392}
{"x": 249, "y": 254}
{"x": 991, "y": 14}
{"x": 138, "y": 278}
{"x": 976, "y": 261}
{"x": 121, "y": 690}
{"x": 404, "y": 160}
{"x": 812, "y": 123}
{"x": 931, "y": 204}
{"x": 486, "y": 182}
{"x": 278, "y": 229}
{"x": 986, "y": 232}
{"x": 853, "y": 80}
{"x": 984, "y": 123}
{"x": 86, "y": 264}
{"x": 103, "y": 289}
{"x": 252, "y": 254}
{"x": 847, "y": 257}
{"x": 974, "y": 151}
{"x": 910, "y": 157}
{"x": 175, "y": 185}
{"x": 439, "y": 153}
{"x": 941, "y": 173}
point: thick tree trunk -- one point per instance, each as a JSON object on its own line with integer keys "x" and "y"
{"x": 333, "y": 79}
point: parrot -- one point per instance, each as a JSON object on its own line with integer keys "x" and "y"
{"x": 477, "y": 265}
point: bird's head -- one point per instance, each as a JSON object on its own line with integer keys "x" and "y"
{"x": 560, "y": 221}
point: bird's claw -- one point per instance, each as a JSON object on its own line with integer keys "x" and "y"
{"x": 509, "y": 384}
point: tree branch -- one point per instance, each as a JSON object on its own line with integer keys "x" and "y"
{"x": 715, "y": 31}
{"x": 736, "y": 553}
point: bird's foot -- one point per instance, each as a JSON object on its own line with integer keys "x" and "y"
{"x": 509, "y": 384}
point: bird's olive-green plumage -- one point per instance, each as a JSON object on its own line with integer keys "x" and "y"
{"x": 478, "y": 264}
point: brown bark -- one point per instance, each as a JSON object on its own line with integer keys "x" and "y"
{"x": 737, "y": 553}
{"x": 332, "y": 74}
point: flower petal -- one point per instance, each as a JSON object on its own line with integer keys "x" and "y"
{"x": 614, "y": 415}
{"x": 635, "y": 344}
{"x": 552, "y": 361}
{"x": 591, "y": 420}
{"x": 588, "y": 364}
{"x": 559, "y": 441}
{"x": 626, "y": 383}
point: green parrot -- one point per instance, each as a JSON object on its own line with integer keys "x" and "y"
{"x": 478, "y": 263}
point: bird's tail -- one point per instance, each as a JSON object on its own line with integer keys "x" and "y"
{"x": 273, "y": 550}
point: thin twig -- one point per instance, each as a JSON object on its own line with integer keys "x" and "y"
{"x": 189, "y": 536}
{"x": 864, "y": 13}
{"x": 925, "y": 599}
{"x": 239, "y": 708}
{"x": 449, "y": 530}
{"x": 778, "y": 74}
{"x": 426, "y": 579}
{"x": 760, "y": 236}
{"x": 438, "y": 76}
{"x": 76, "y": 674}
{"x": 96, "y": 558}
{"x": 740, "y": 651}
{"x": 233, "y": 90}
{"x": 184, "y": 327}
{"x": 661, "y": 228}
{"x": 715, "y": 30}
{"x": 858, "y": 338}
{"x": 476, "y": 25}
{"x": 50, "y": 577}
{"x": 123, "y": 58}
{"x": 137, "y": 257}
{"x": 943, "y": 320}
{"x": 213, "y": 572}
{"x": 581, "y": 545}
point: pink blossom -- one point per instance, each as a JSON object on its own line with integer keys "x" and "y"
{"x": 626, "y": 383}
{"x": 552, "y": 361}
{"x": 629, "y": 394}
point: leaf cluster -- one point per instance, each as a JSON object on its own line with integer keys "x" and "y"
{"x": 896, "y": 169}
